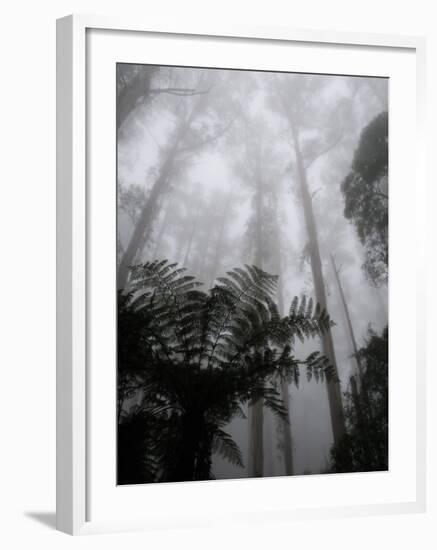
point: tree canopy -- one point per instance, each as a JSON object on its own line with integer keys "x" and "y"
{"x": 365, "y": 191}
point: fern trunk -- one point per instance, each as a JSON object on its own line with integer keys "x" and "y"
{"x": 256, "y": 451}
{"x": 193, "y": 459}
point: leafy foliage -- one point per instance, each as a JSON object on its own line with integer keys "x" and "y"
{"x": 365, "y": 191}
{"x": 365, "y": 447}
{"x": 197, "y": 357}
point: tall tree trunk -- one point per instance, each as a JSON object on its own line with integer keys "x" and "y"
{"x": 149, "y": 210}
{"x": 256, "y": 443}
{"x": 161, "y": 183}
{"x": 191, "y": 238}
{"x": 144, "y": 222}
{"x": 362, "y": 415}
{"x": 162, "y": 228}
{"x": 333, "y": 387}
{"x": 149, "y": 231}
{"x": 201, "y": 264}
{"x": 286, "y": 423}
{"x": 256, "y": 410}
{"x": 215, "y": 266}
{"x": 348, "y": 317}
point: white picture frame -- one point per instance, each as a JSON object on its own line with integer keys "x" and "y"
{"x": 73, "y": 211}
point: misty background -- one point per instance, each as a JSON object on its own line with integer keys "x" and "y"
{"x": 228, "y": 150}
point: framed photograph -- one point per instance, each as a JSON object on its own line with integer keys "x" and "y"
{"x": 240, "y": 301}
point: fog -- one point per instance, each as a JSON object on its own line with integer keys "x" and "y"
{"x": 212, "y": 170}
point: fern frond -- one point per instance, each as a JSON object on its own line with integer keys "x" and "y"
{"x": 225, "y": 446}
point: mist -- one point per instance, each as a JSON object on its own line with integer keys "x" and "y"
{"x": 221, "y": 169}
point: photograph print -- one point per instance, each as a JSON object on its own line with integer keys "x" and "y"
{"x": 252, "y": 274}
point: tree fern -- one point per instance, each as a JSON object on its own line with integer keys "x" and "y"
{"x": 199, "y": 356}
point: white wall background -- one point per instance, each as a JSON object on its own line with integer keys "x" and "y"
{"x": 27, "y": 277}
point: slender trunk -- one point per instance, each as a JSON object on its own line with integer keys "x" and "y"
{"x": 363, "y": 387}
{"x": 364, "y": 418}
{"x": 144, "y": 222}
{"x": 148, "y": 212}
{"x": 201, "y": 270}
{"x": 215, "y": 267}
{"x": 333, "y": 386}
{"x": 286, "y": 427}
{"x": 149, "y": 231}
{"x": 191, "y": 238}
{"x": 286, "y": 423}
{"x": 348, "y": 318}
{"x": 162, "y": 228}
{"x": 256, "y": 410}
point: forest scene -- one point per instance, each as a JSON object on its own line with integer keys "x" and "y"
{"x": 252, "y": 274}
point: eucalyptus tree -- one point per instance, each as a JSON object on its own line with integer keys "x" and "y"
{"x": 303, "y": 103}
{"x": 359, "y": 405}
{"x": 196, "y": 123}
{"x": 258, "y": 167}
{"x": 276, "y": 192}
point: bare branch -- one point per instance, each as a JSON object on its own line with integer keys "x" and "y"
{"x": 211, "y": 139}
{"x": 178, "y": 91}
{"x": 325, "y": 151}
